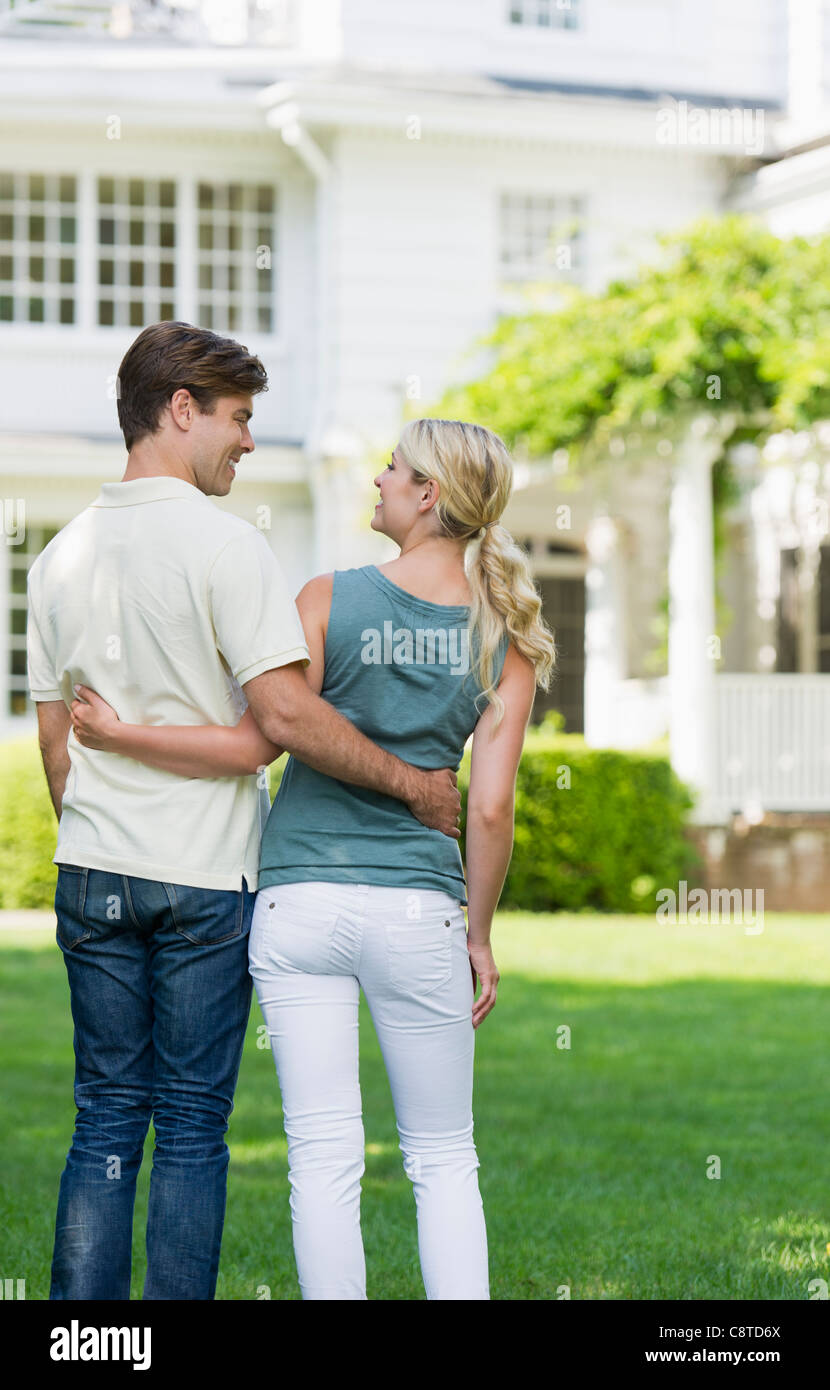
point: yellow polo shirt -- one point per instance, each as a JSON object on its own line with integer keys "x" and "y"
{"x": 165, "y": 606}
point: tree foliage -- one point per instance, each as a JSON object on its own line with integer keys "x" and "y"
{"x": 729, "y": 318}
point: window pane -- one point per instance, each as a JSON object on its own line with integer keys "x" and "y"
{"x": 134, "y": 272}
{"x": 67, "y": 311}
{"x": 234, "y": 293}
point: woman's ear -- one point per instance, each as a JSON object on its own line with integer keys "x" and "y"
{"x": 429, "y": 495}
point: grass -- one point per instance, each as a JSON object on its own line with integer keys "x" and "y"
{"x": 686, "y": 1043}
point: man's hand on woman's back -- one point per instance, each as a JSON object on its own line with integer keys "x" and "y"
{"x": 436, "y": 801}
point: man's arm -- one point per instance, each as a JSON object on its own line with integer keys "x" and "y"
{"x": 53, "y": 725}
{"x": 293, "y": 717}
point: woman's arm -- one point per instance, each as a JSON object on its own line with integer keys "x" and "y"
{"x": 189, "y": 750}
{"x": 204, "y": 750}
{"x": 490, "y": 804}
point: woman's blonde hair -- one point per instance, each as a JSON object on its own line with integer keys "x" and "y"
{"x": 474, "y": 473}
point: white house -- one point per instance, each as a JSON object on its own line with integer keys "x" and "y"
{"x": 356, "y": 189}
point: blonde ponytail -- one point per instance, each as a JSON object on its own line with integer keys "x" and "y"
{"x": 474, "y": 473}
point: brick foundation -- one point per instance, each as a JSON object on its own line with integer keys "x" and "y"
{"x": 786, "y": 854}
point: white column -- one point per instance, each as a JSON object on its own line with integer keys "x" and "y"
{"x": 86, "y": 229}
{"x": 692, "y": 619}
{"x": 605, "y": 657}
{"x": 806, "y": 34}
{"x": 186, "y": 253}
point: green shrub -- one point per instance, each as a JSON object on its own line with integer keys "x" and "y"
{"x": 28, "y": 828}
{"x": 596, "y": 829}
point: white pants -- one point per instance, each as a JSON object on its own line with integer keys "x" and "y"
{"x": 312, "y": 947}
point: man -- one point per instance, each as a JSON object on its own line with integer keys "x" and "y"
{"x": 170, "y": 608}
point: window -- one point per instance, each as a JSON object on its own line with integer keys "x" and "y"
{"x": 236, "y": 246}
{"x": 796, "y": 614}
{"x": 20, "y": 558}
{"x": 541, "y": 237}
{"x": 136, "y": 251}
{"x": 144, "y": 236}
{"x": 563, "y": 607}
{"x": 546, "y": 14}
{"x": 38, "y": 240}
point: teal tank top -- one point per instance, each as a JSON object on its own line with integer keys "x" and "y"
{"x": 400, "y": 669}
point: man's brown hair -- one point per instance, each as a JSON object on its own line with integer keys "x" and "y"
{"x": 167, "y": 357}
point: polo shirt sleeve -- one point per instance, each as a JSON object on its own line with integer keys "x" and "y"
{"x": 42, "y": 676}
{"x": 255, "y": 620}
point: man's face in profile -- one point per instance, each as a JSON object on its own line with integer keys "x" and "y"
{"x": 218, "y": 442}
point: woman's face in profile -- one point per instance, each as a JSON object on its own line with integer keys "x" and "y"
{"x": 397, "y": 508}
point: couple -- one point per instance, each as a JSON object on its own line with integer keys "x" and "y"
{"x": 178, "y": 884}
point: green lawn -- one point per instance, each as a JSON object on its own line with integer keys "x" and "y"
{"x": 686, "y": 1042}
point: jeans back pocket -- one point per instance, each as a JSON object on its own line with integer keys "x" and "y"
{"x": 207, "y": 916}
{"x": 419, "y": 955}
{"x": 293, "y": 929}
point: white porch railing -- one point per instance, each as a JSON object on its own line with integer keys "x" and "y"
{"x": 772, "y": 742}
{"x": 770, "y": 736}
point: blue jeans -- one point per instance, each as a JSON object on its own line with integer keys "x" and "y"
{"x": 160, "y": 991}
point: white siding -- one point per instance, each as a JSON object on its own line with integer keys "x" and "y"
{"x": 722, "y": 47}
{"x": 415, "y": 249}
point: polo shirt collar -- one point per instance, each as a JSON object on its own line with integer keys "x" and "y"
{"x": 155, "y": 489}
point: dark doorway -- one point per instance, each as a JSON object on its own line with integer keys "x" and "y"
{"x": 563, "y": 607}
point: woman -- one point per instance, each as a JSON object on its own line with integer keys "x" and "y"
{"x": 443, "y": 642}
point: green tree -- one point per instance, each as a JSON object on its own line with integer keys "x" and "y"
{"x": 729, "y": 322}
{"x": 729, "y": 319}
